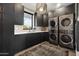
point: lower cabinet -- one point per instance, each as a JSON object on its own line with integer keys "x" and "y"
{"x": 24, "y": 41}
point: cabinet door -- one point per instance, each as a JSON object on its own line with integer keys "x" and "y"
{"x": 46, "y": 36}
{"x": 45, "y": 20}
{"x": 39, "y": 20}
{"x": 35, "y": 38}
{"x": 19, "y": 43}
{"x": 19, "y": 14}
{"x": 7, "y": 26}
{"x": 0, "y": 34}
{"x": 1, "y": 44}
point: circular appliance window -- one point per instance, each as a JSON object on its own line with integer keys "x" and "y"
{"x": 52, "y": 23}
{"x": 66, "y": 39}
{"x": 65, "y": 22}
{"x": 53, "y": 36}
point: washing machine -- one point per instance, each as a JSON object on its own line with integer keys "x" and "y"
{"x": 53, "y": 30}
{"x": 66, "y": 31}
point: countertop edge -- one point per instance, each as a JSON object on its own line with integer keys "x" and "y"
{"x": 20, "y": 33}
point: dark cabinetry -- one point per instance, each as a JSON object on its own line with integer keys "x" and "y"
{"x": 7, "y": 21}
{"x": 19, "y": 14}
{"x": 45, "y": 20}
{"x": 24, "y": 41}
{"x": 18, "y": 43}
{"x": 6, "y": 27}
{"x": 42, "y": 20}
{"x": 45, "y": 36}
{"x": 39, "y": 20}
{"x": 1, "y": 45}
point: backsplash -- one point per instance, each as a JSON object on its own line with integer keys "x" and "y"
{"x": 20, "y": 29}
{"x": 41, "y": 29}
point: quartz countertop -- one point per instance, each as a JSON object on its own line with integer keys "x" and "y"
{"x": 27, "y": 32}
{"x": 18, "y": 29}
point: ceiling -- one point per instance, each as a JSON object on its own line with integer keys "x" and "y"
{"x": 50, "y": 6}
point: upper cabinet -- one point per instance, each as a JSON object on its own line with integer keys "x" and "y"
{"x": 42, "y": 20}
{"x": 39, "y": 18}
{"x": 19, "y": 14}
{"x": 45, "y": 20}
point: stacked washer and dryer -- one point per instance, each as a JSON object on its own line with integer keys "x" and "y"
{"x": 53, "y": 30}
{"x": 61, "y": 31}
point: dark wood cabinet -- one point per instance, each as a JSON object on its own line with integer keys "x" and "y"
{"x": 42, "y": 20}
{"x": 19, "y": 14}
{"x": 24, "y": 41}
{"x": 1, "y": 44}
{"x": 18, "y": 43}
{"x": 9, "y": 13}
{"x": 6, "y": 27}
{"x": 39, "y": 20}
{"x": 45, "y": 20}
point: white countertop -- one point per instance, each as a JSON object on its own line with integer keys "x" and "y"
{"x": 27, "y": 32}
{"x": 18, "y": 29}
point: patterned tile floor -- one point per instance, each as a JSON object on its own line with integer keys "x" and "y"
{"x": 46, "y": 49}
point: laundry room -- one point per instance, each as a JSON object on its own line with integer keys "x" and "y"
{"x": 38, "y": 29}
